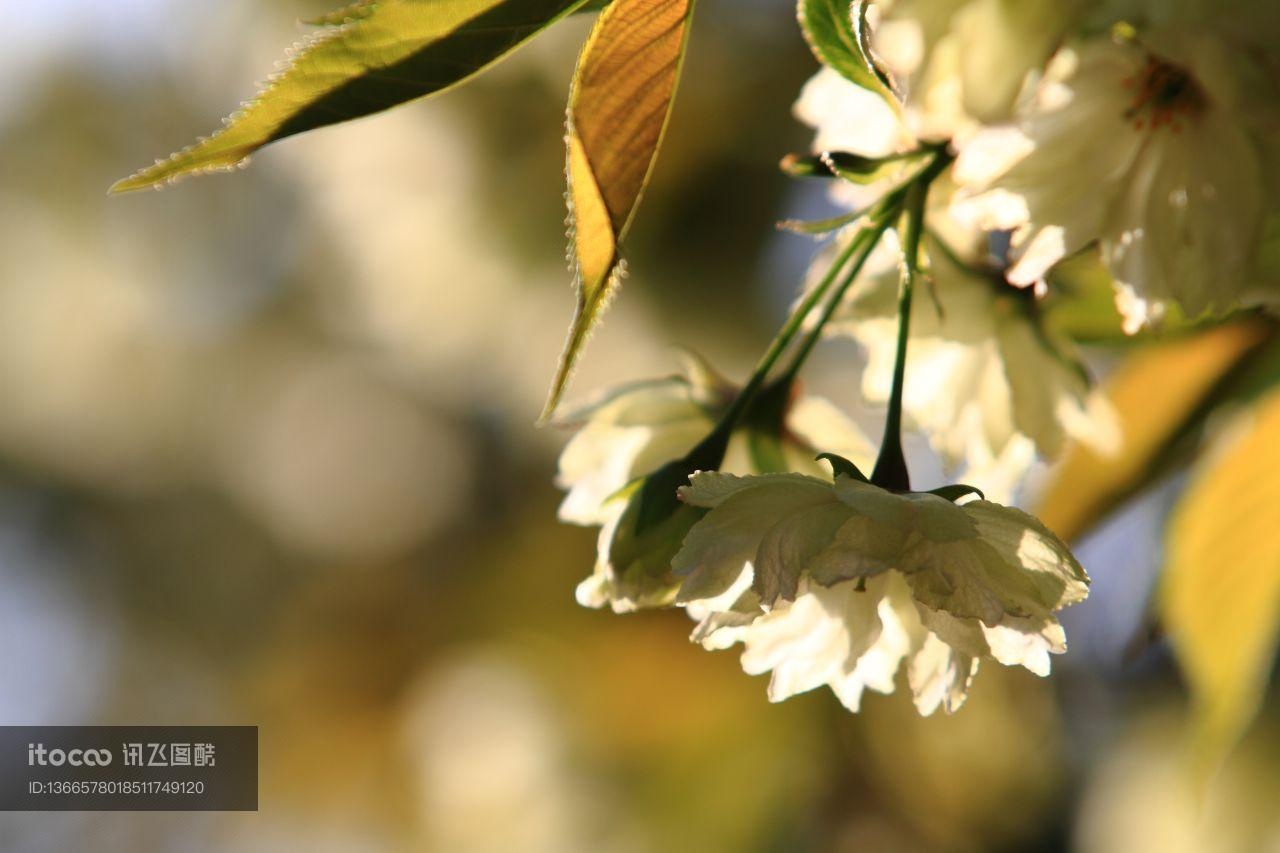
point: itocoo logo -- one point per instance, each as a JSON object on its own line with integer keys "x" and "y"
{"x": 38, "y": 755}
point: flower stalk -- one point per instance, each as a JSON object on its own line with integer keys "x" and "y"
{"x": 657, "y": 501}
{"x": 907, "y": 202}
{"x": 863, "y": 244}
{"x": 890, "y": 470}
{"x": 786, "y": 334}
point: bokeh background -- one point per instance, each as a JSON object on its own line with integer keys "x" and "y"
{"x": 267, "y": 457}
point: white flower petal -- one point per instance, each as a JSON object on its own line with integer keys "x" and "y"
{"x": 626, "y": 433}
{"x": 1027, "y": 643}
{"x": 940, "y": 676}
{"x": 821, "y": 425}
{"x": 849, "y": 117}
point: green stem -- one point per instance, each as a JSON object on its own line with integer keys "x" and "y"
{"x": 911, "y": 197}
{"x": 782, "y": 340}
{"x": 881, "y": 217}
{"x": 866, "y": 241}
{"x": 890, "y": 471}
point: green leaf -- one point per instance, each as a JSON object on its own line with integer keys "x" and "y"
{"x": 854, "y": 167}
{"x": 1220, "y": 593}
{"x": 345, "y": 15}
{"x": 619, "y": 104}
{"x": 820, "y": 226}
{"x": 390, "y": 52}
{"x": 362, "y": 8}
{"x": 837, "y": 34}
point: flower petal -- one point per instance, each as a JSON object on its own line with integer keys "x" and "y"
{"x": 861, "y": 548}
{"x": 718, "y": 547}
{"x": 789, "y": 547}
{"x": 1043, "y": 557}
{"x": 712, "y": 488}
{"x": 940, "y": 676}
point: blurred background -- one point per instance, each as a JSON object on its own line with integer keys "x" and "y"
{"x": 267, "y": 457}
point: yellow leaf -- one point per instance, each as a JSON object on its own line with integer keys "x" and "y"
{"x": 619, "y": 104}
{"x": 1154, "y": 392}
{"x": 1220, "y": 594}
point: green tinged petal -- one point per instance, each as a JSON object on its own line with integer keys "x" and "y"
{"x": 1025, "y": 542}
{"x": 640, "y": 555}
{"x": 712, "y": 488}
{"x": 861, "y": 548}
{"x": 939, "y": 520}
{"x": 964, "y": 635}
{"x": 985, "y": 579}
{"x": 718, "y": 548}
{"x": 788, "y": 548}
{"x": 874, "y": 502}
{"x": 968, "y": 579}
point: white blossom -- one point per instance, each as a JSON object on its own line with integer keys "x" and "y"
{"x": 842, "y": 583}
{"x": 1149, "y": 148}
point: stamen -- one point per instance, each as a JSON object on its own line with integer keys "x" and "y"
{"x": 1165, "y": 93}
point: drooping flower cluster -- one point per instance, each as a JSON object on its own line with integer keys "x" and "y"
{"x": 978, "y": 145}
{"x": 824, "y": 583}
